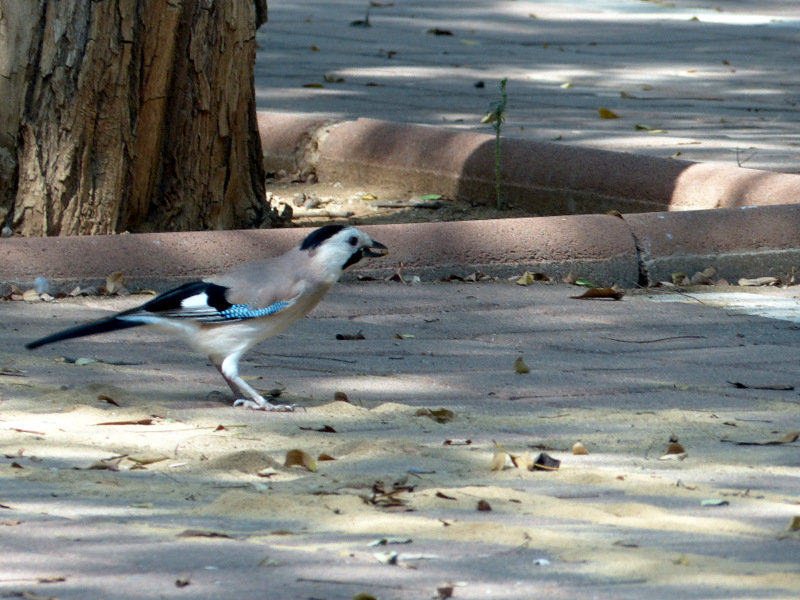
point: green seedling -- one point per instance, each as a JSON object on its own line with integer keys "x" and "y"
{"x": 496, "y": 117}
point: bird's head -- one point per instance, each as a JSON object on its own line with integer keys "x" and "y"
{"x": 337, "y": 247}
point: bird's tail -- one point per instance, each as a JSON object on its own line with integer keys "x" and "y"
{"x": 102, "y": 326}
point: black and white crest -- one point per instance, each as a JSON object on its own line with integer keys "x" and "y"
{"x": 318, "y": 236}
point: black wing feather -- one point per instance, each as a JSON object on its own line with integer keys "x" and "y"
{"x": 168, "y": 304}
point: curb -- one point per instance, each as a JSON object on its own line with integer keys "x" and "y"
{"x": 545, "y": 178}
{"x": 640, "y": 249}
{"x": 636, "y": 250}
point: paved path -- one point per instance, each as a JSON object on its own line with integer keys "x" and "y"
{"x": 620, "y": 376}
{"x": 619, "y": 523}
{"x": 719, "y": 78}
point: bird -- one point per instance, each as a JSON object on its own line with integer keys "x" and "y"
{"x": 225, "y": 315}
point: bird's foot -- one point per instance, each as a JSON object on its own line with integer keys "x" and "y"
{"x": 264, "y": 405}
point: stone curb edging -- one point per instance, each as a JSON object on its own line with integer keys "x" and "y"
{"x": 636, "y": 250}
{"x": 640, "y": 249}
{"x": 545, "y": 178}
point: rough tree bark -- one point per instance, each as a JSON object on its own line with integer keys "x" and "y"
{"x": 129, "y": 115}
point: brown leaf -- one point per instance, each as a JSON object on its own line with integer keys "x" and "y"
{"x": 323, "y": 429}
{"x": 340, "y": 397}
{"x": 300, "y": 458}
{"x": 444, "y": 496}
{"x": 182, "y": 582}
{"x": 440, "y": 415}
{"x": 484, "y": 506}
{"x": 323, "y": 457}
{"x": 115, "y": 283}
{"x": 778, "y": 387}
{"x": 788, "y": 438}
{"x": 107, "y": 399}
{"x": 607, "y": 114}
{"x": 350, "y": 336}
{"x": 132, "y": 422}
{"x": 202, "y": 533}
{"x": 607, "y": 293}
{"x": 675, "y": 448}
{"x": 457, "y": 442}
{"x": 444, "y": 592}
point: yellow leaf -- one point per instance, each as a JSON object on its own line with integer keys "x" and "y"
{"x": 607, "y": 114}
{"x": 526, "y": 279}
{"x": 524, "y": 462}
{"x": 31, "y": 296}
{"x": 300, "y": 458}
{"x": 498, "y": 461}
{"x": 578, "y": 449}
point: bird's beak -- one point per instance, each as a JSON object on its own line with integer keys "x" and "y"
{"x": 375, "y": 249}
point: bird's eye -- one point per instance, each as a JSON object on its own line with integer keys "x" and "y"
{"x": 353, "y": 241}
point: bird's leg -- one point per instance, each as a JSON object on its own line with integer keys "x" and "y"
{"x": 229, "y": 369}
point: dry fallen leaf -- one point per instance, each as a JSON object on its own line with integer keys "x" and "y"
{"x": 498, "y": 461}
{"x": 444, "y": 592}
{"x": 578, "y": 449}
{"x": 115, "y": 283}
{"x": 675, "y": 448}
{"x": 520, "y": 366}
{"x": 608, "y": 293}
{"x": 440, "y": 415}
{"x": 300, "y": 458}
{"x": 524, "y": 462}
{"x": 528, "y": 278}
{"x": 132, "y": 422}
{"x": 607, "y": 114}
{"x": 202, "y": 533}
{"x": 788, "y": 438}
{"x": 350, "y": 336}
{"x": 484, "y": 506}
{"x": 759, "y": 281}
{"x": 31, "y": 296}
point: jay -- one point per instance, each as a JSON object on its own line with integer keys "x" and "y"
{"x": 226, "y": 315}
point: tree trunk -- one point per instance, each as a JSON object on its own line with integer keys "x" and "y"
{"x": 129, "y": 115}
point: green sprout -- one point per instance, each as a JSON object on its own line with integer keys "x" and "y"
{"x": 495, "y": 117}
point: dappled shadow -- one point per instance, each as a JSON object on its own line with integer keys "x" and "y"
{"x": 618, "y": 516}
{"x": 717, "y": 84}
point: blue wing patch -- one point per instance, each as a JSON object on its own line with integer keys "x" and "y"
{"x": 239, "y": 312}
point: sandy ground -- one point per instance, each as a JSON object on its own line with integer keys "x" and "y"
{"x": 123, "y": 478}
